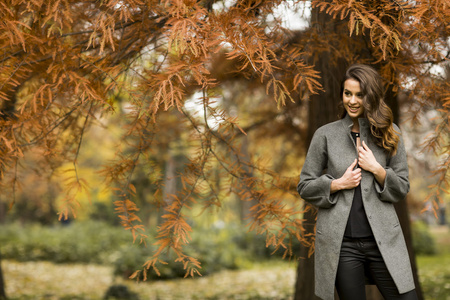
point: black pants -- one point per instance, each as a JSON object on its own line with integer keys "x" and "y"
{"x": 360, "y": 257}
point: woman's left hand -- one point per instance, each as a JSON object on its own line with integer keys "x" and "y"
{"x": 368, "y": 162}
{"x": 366, "y": 159}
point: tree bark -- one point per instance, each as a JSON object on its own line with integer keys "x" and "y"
{"x": 170, "y": 181}
{"x": 246, "y": 202}
{"x": 2, "y": 282}
{"x": 323, "y": 109}
{"x": 304, "y": 285}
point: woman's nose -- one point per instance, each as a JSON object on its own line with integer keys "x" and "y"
{"x": 352, "y": 99}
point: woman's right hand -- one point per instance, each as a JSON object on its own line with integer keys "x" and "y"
{"x": 350, "y": 179}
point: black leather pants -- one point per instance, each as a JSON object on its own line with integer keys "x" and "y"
{"x": 361, "y": 257}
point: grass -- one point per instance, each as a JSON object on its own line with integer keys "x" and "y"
{"x": 434, "y": 271}
{"x": 434, "y": 275}
{"x": 269, "y": 280}
{"x": 43, "y": 280}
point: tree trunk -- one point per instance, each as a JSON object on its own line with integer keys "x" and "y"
{"x": 2, "y": 282}
{"x": 246, "y": 202}
{"x": 170, "y": 181}
{"x": 304, "y": 286}
{"x": 323, "y": 109}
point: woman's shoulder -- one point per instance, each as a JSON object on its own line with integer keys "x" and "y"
{"x": 396, "y": 127}
{"x": 397, "y": 130}
{"x": 330, "y": 128}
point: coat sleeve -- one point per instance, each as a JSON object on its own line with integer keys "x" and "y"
{"x": 396, "y": 183}
{"x": 314, "y": 186}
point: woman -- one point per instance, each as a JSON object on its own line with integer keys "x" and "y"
{"x": 355, "y": 170}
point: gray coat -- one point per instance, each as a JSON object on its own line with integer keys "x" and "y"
{"x": 331, "y": 152}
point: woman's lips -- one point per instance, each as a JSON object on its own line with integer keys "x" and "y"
{"x": 353, "y": 110}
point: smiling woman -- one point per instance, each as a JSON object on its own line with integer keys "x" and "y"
{"x": 353, "y": 100}
{"x": 354, "y": 186}
{"x": 366, "y": 85}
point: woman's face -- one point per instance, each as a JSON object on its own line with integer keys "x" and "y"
{"x": 353, "y": 99}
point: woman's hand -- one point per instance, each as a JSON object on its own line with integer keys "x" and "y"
{"x": 366, "y": 159}
{"x": 350, "y": 179}
{"x": 368, "y": 162}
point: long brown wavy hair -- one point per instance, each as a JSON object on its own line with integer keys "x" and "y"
{"x": 375, "y": 109}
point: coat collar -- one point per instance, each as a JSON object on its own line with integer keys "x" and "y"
{"x": 348, "y": 122}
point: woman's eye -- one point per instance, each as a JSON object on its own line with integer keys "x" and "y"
{"x": 348, "y": 94}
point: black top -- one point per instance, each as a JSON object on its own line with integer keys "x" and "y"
{"x": 357, "y": 225}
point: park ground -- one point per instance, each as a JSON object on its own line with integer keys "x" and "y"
{"x": 267, "y": 280}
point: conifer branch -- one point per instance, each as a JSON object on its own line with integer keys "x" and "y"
{"x": 77, "y": 152}
{"x": 55, "y": 125}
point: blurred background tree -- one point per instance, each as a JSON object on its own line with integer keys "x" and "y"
{"x": 179, "y": 107}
